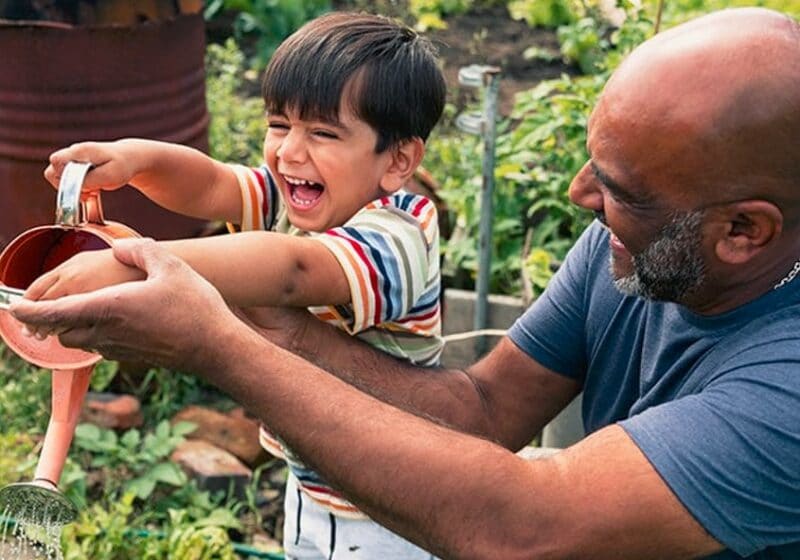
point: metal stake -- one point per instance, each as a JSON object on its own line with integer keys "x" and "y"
{"x": 485, "y": 125}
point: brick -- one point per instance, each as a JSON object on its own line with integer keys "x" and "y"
{"x": 233, "y": 432}
{"x": 213, "y": 468}
{"x": 113, "y": 411}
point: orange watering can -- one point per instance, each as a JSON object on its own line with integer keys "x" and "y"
{"x": 79, "y": 227}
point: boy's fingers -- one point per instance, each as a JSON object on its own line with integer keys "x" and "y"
{"x": 42, "y": 286}
{"x": 52, "y": 175}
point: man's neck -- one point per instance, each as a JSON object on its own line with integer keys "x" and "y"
{"x": 738, "y": 287}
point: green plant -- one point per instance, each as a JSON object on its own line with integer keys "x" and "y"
{"x": 538, "y": 269}
{"x": 584, "y": 43}
{"x": 143, "y": 460}
{"x": 538, "y": 152}
{"x": 104, "y": 373}
{"x": 17, "y": 457}
{"x": 107, "y": 532}
{"x": 430, "y": 14}
{"x": 24, "y": 395}
{"x": 267, "y": 22}
{"x": 542, "y": 13}
{"x": 238, "y": 124}
{"x": 104, "y": 534}
{"x": 198, "y": 540}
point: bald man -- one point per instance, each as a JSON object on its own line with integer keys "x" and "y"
{"x": 677, "y": 314}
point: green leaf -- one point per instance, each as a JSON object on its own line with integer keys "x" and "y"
{"x": 131, "y": 439}
{"x": 183, "y": 428}
{"x": 168, "y": 473}
{"x": 141, "y": 486}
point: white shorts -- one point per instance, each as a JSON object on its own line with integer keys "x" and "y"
{"x": 311, "y": 532}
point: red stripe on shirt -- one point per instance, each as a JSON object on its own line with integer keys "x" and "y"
{"x": 419, "y": 206}
{"x": 264, "y": 201}
{"x": 373, "y": 275}
{"x": 433, "y": 312}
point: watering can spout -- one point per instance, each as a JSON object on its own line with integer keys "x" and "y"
{"x": 41, "y": 499}
{"x": 79, "y": 227}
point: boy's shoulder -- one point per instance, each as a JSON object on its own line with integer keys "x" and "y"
{"x": 401, "y": 207}
{"x": 416, "y": 205}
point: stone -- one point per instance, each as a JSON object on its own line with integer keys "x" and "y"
{"x": 233, "y": 432}
{"x": 213, "y": 468}
{"x": 112, "y": 411}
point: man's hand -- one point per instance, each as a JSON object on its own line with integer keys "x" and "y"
{"x": 85, "y": 272}
{"x": 174, "y": 318}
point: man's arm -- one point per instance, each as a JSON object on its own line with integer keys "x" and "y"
{"x": 458, "y": 495}
{"x": 506, "y": 397}
{"x": 461, "y": 496}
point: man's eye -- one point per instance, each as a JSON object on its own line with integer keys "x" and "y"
{"x": 278, "y": 125}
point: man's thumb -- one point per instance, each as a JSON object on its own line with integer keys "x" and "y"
{"x": 144, "y": 254}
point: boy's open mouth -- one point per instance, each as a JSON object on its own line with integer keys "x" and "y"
{"x": 302, "y": 191}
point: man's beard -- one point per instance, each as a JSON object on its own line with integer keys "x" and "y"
{"x": 671, "y": 267}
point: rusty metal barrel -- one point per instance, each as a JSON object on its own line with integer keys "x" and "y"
{"x": 61, "y": 84}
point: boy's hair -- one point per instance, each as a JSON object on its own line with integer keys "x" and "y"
{"x": 394, "y": 82}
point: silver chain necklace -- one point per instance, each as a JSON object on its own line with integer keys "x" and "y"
{"x": 789, "y": 277}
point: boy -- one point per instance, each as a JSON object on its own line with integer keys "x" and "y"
{"x": 351, "y": 100}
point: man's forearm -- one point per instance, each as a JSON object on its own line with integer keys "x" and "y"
{"x": 454, "y": 494}
{"x": 451, "y": 397}
{"x": 388, "y": 446}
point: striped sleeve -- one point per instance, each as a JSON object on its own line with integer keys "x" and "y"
{"x": 259, "y": 198}
{"x": 389, "y": 252}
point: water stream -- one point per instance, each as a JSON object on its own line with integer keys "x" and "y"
{"x": 27, "y": 531}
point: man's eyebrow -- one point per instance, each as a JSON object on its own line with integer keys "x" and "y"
{"x": 614, "y": 187}
{"x": 606, "y": 180}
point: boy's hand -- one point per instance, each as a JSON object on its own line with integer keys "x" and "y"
{"x": 114, "y": 164}
{"x": 85, "y": 272}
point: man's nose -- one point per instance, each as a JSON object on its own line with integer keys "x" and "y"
{"x": 292, "y": 148}
{"x": 584, "y": 190}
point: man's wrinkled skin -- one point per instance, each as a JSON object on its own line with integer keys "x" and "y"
{"x": 706, "y": 116}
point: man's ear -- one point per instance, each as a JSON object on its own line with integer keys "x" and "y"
{"x": 406, "y": 157}
{"x": 750, "y": 226}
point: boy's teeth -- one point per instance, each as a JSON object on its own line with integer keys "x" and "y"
{"x": 295, "y": 181}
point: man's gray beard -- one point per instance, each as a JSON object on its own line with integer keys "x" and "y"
{"x": 671, "y": 267}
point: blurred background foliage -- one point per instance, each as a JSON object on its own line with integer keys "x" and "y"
{"x": 124, "y": 480}
{"x": 540, "y": 144}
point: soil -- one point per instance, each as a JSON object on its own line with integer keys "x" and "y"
{"x": 485, "y": 35}
{"x": 489, "y": 36}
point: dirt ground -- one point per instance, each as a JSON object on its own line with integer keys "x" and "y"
{"x": 489, "y": 36}
{"x": 484, "y": 36}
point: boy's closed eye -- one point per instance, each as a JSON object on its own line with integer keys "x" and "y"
{"x": 278, "y": 125}
{"x": 323, "y": 133}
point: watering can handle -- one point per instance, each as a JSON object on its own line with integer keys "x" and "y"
{"x": 71, "y": 208}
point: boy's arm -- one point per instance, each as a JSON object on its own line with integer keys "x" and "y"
{"x": 265, "y": 268}
{"x": 176, "y": 177}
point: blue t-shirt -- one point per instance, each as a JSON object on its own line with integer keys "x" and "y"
{"x": 712, "y": 401}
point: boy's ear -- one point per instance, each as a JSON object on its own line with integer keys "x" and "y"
{"x": 406, "y": 157}
{"x": 751, "y": 225}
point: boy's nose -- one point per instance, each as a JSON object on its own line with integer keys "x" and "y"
{"x": 584, "y": 191}
{"x": 292, "y": 148}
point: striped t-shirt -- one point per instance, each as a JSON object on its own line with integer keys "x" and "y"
{"x": 389, "y": 252}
